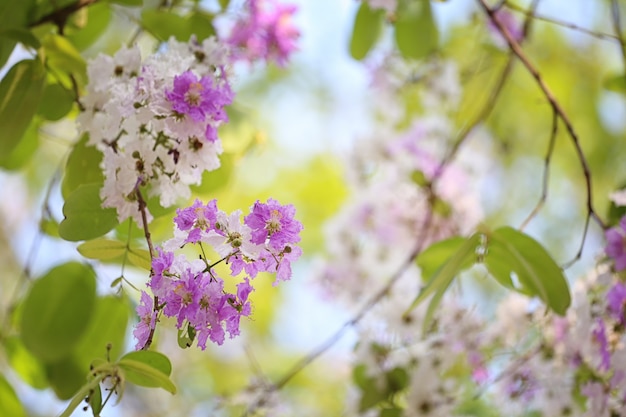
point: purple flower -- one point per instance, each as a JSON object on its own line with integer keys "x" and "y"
{"x": 196, "y": 218}
{"x": 274, "y": 223}
{"x": 237, "y": 307}
{"x": 615, "y": 242}
{"x": 616, "y": 299}
{"x": 480, "y": 374}
{"x": 147, "y": 320}
{"x": 266, "y": 32}
{"x": 160, "y": 264}
{"x": 207, "y": 320}
{"x": 191, "y": 96}
{"x": 200, "y": 99}
{"x": 183, "y": 299}
{"x": 599, "y": 334}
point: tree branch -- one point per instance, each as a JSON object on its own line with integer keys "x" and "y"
{"x": 59, "y": 16}
{"x": 517, "y": 50}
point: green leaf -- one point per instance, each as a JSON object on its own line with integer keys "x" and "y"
{"x": 359, "y": 376}
{"x": 7, "y": 45}
{"x": 370, "y": 396}
{"x": 24, "y": 150}
{"x": 616, "y": 83}
{"x": 415, "y": 31}
{"x": 62, "y": 56}
{"x": 55, "y": 102}
{"x": 535, "y": 269}
{"x": 102, "y": 249}
{"x": 368, "y": 25}
{"x": 391, "y": 412}
{"x": 140, "y": 258}
{"x": 397, "y": 379}
{"x": 21, "y": 35}
{"x": 66, "y": 376}
{"x": 163, "y": 24}
{"x": 83, "y": 167}
{"x": 462, "y": 258}
{"x": 419, "y": 178}
{"x": 28, "y": 367}
{"x": 130, "y": 3}
{"x": 10, "y": 405}
{"x": 186, "y": 337}
{"x": 148, "y": 369}
{"x": 433, "y": 257}
{"x": 97, "y": 20}
{"x": 224, "y": 4}
{"x": 201, "y": 25}
{"x": 20, "y": 92}
{"x": 95, "y": 401}
{"x": 13, "y": 15}
{"x": 84, "y": 216}
{"x": 57, "y": 310}
{"x": 107, "y": 326}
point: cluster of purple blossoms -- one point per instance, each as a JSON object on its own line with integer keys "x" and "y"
{"x": 155, "y": 120}
{"x": 192, "y": 291}
{"x": 265, "y": 32}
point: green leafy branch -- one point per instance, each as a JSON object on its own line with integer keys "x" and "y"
{"x": 515, "y": 47}
{"x": 515, "y": 260}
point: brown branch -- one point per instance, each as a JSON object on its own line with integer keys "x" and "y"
{"x": 59, "y": 16}
{"x": 146, "y": 230}
{"x": 546, "y": 172}
{"x": 516, "y": 48}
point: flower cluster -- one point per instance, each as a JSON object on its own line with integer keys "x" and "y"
{"x": 191, "y": 290}
{"x": 392, "y": 206}
{"x": 265, "y": 32}
{"x": 155, "y": 120}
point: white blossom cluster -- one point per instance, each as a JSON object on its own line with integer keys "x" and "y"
{"x": 155, "y": 119}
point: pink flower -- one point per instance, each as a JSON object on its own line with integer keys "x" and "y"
{"x": 196, "y": 219}
{"x": 147, "y": 320}
{"x": 266, "y": 32}
{"x": 273, "y": 223}
{"x": 200, "y": 100}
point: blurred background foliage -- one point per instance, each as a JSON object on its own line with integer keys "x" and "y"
{"x": 43, "y": 160}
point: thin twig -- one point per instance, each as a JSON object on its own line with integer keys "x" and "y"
{"x": 144, "y": 219}
{"x": 485, "y": 112}
{"x": 562, "y": 23}
{"x": 33, "y": 251}
{"x": 546, "y": 172}
{"x": 556, "y": 106}
{"x": 617, "y": 27}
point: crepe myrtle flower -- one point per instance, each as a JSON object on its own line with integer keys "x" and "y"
{"x": 273, "y": 224}
{"x": 196, "y": 218}
{"x": 615, "y": 244}
{"x": 266, "y": 31}
{"x": 147, "y": 320}
{"x": 616, "y": 302}
{"x": 198, "y": 98}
